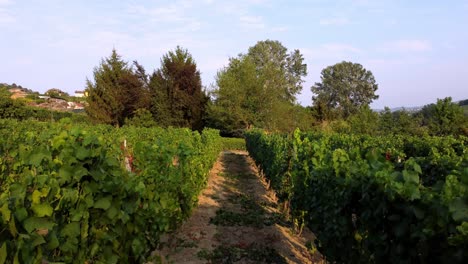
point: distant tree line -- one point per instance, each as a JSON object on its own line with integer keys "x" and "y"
{"x": 257, "y": 88}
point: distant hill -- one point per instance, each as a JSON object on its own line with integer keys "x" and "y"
{"x": 414, "y": 109}
{"x": 15, "y": 86}
{"x": 465, "y": 109}
{"x": 54, "y": 99}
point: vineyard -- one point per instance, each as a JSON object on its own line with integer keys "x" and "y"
{"x": 96, "y": 194}
{"x": 79, "y": 193}
{"x": 396, "y": 199}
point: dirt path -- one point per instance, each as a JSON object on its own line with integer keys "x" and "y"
{"x": 236, "y": 221}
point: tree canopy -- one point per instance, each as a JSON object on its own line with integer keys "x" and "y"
{"x": 344, "y": 88}
{"x": 115, "y": 93}
{"x": 444, "y": 117}
{"x": 176, "y": 89}
{"x": 259, "y": 89}
{"x": 285, "y": 70}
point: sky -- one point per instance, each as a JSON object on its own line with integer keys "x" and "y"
{"x": 416, "y": 49}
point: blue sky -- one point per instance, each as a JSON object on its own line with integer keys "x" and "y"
{"x": 417, "y": 50}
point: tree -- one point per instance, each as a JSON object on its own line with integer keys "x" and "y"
{"x": 56, "y": 93}
{"x": 10, "y": 108}
{"x": 386, "y": 121}
{"x": 444, "y": 117}
{"x": 115, "y": 93}
{"x": 285, "y": 70}
{"x": 365, "y": 121}
{"x": 176, "y": 89}
{"x": 241, "y": 100}
{"x": 142, "y": 118}
{"x": 345, "y": 87}
{"x": 259, "y": 89}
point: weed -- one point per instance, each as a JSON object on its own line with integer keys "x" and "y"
{"x": 227, "y": 254}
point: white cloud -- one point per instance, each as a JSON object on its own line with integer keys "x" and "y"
{"x": 331, "y": 51}
{"x": 252, "y": 22}
{"x": 165, "y": 14}
{"x": 337, "y": 21}
{"x": 340, "y": 48}
{"x": 150, "y": 18}
{"x": 407, "y": 46}
{"x": 279, "y": 29}
{"x": 6, "y": 17}
{"x": 5, "y": 2}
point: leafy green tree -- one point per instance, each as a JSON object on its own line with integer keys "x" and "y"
{"x": 10, "y": 108}
{"x": 240, "y": 100}
{"x": 259, "y": 89}
{"x": 365, "y": 121}
{"x": 444, "y": 117}
{"x": 407, "y": 123}
{"x": 344, "y": 88}
{"x": 176, "y": 91}
{"x": 56, "y": 93}
{"x": 285, "y": 70}
{"x": 115, "y": 93}
{"x": 386, "y": 121}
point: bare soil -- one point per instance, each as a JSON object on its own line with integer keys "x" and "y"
{"x": 237, "y": 221}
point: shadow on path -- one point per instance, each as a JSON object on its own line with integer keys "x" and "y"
{"x": 236, "y": 221}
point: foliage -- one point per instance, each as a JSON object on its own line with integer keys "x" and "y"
{"x": 285, "y": 71}
{"x": 16, "y": 109}
{"x": 390, "y": 199}
{"x": 365, "y": 121}
{"x": 463, "y": 102}
{"x": 76, "y": 194}
{"x": 259, "y": 89}
{"x": 115, "y": 93}
{"x": 241, "y": 100}
{"x": 10, "y": 108}
{"x": 444, "y": 117}
{"x": 176, "y": 91}
{"x": 56, "y": 93}
{"x": 343, "y": 89}
{"x": 141, "y": 118}
{"x": 233, "y": 143}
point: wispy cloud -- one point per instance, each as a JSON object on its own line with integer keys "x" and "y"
{"x": 340, "y": 48}
{"x": 279, "y": 29}
{"x": 337, "y": 21}
{"x": 5, "y": 2}
{"x": 167, "y": 14}
{"x": 6, "y": 17}
{"x": 407, "y": 45}
{"x": 252, "y": 22}
{"x": 331, "y": 51}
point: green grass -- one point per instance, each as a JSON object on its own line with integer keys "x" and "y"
{"x": 233, "y": 144}
{"x": 234, "y": 254}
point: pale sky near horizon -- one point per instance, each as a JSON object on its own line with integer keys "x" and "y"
{"x": 417, "y": 50}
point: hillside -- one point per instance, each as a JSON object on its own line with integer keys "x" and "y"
{"x": 53, "y": 99}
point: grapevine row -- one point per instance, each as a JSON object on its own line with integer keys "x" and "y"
{"x": 96, "y": 194}
{"x": 372, "y": 199}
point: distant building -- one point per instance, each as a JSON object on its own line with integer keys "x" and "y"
{"x": 81, "y": 93}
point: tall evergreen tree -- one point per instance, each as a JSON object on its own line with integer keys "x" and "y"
{"x": 115, "y": 93}
{"x": 176, "y": 89}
